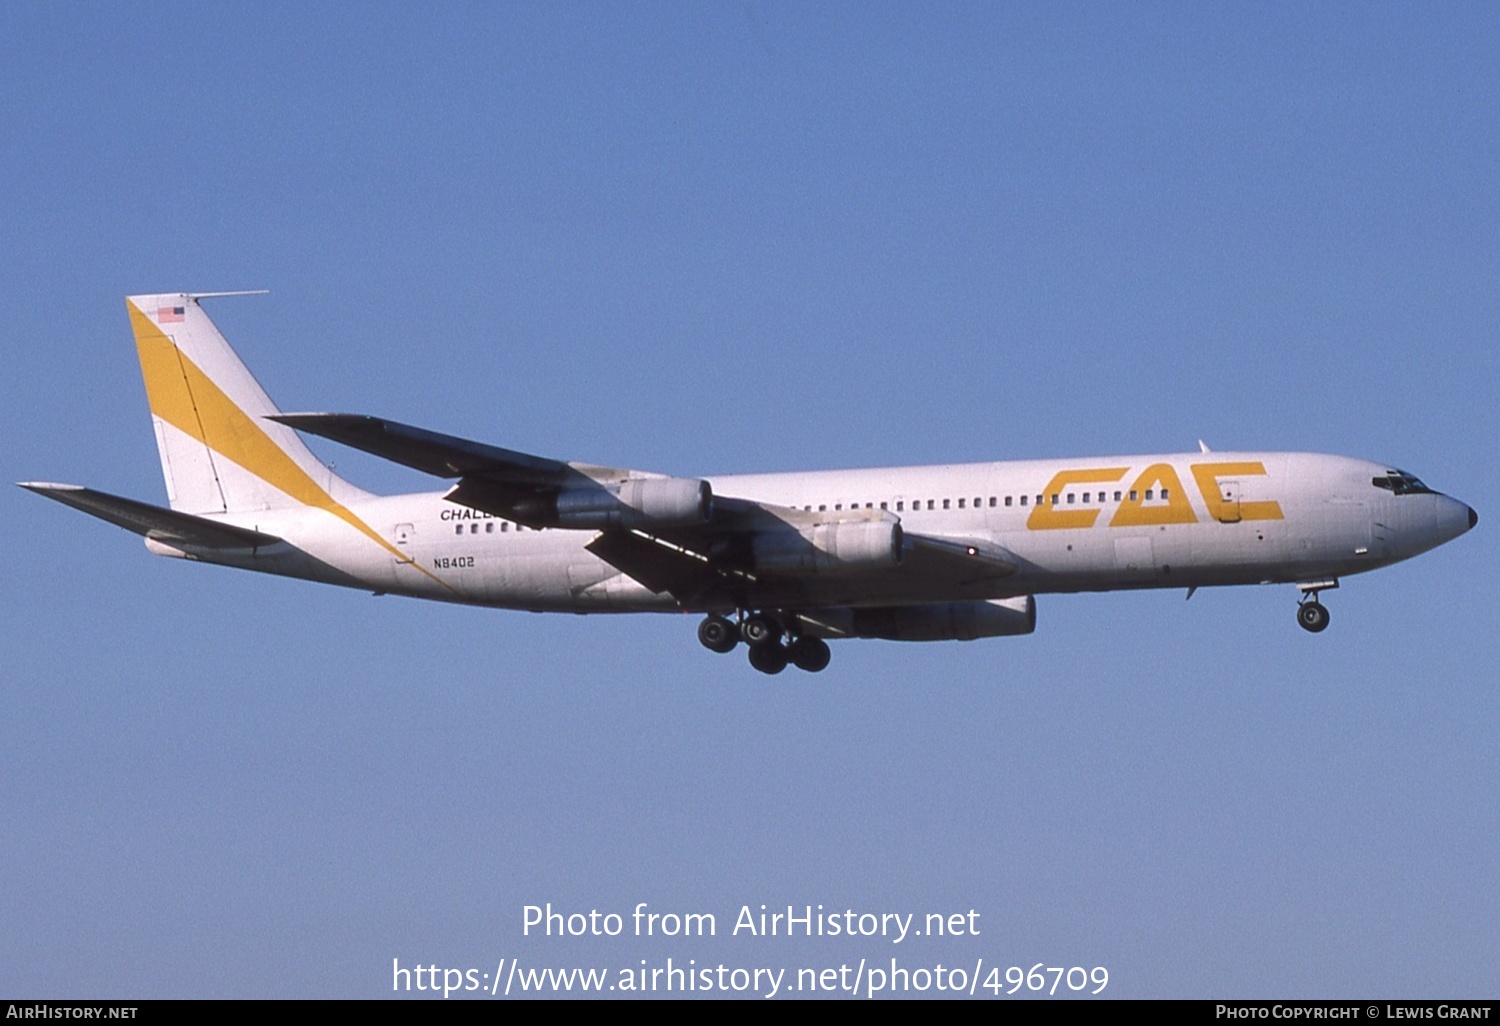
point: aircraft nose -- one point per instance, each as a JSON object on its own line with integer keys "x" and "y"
{"x": 1455, "y": 518}
{"x": 1440, "y": 519}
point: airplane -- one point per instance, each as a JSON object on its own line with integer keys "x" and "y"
{"x": 781, "y": 563}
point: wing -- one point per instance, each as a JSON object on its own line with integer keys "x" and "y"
{"x": 427, "y": 451}
{"x": 672, "y": 534}
{"x": 514, "y": 485}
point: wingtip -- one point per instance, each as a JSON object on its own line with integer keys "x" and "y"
{"x": 49, "y": 486}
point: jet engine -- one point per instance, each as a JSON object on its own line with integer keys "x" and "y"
{"x": 641, "y": 502}
{"x": 829, "y": 548}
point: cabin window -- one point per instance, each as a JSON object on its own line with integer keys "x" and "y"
{"x": 930, "y": 504}
{"x": 960, "y": 504}
{"x": 1071, "y": 497}
{"x": 1148, "y": 495}
{"x": 992, "y": 501}
{"x": 900, "y": 505}
{"x": 458, "y": 528}
{"x": 504, "y": 528}
{"x": 1132, "y": 494}
{"x": 1164, "y": 493}
{"x": 1039, "y": 499}
{"x": 489, "y": 528}
{"x": 1117, "y": 496}
{"x": 882, "y": 505}
{"x": 1054, "y": 498}
{"x": 1007, "y": 500}
{"x": 1023, "y": 500}
{"x": 823, "y": 508}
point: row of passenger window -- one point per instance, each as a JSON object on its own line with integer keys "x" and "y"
{"x": 1056, "y": 499}
{"x": 489, "y": 527}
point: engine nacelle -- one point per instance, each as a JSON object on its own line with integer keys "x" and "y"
{"x": 829, "y": 548}
{"x": 939, "y": 621}
{"x": 641, "y": 502}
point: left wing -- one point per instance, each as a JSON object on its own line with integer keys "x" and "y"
{"x": 671, "y": 534}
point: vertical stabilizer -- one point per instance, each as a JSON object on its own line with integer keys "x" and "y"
{"x": 219, "y": 453}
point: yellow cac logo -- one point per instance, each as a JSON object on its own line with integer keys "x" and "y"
{"x": 1156, "y": 496}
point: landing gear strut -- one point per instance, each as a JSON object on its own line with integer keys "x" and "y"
{"x": 1311, "y": 616}
{"x": 771, "y": 648}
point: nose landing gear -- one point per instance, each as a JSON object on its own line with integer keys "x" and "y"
{"x": 771, "y": 648}
{"x": 1311, "y": 614}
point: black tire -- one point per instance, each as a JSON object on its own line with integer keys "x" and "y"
{"x": 810, "y": 654}
{"x": 1312, "y": 616}
{"x": 718, "y": 634}
{"x": 759, "y": 630}
{"x": 768, "y": 658}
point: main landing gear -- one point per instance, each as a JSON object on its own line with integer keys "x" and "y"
{"x": 1311, "y": 614}
{"x": 772, "y": 648}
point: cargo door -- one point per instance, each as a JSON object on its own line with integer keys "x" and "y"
{"x": 1229, "y": 502}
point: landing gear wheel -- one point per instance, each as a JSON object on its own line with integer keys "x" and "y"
{"x": 810, "y": 654}
{"x": 1311, "y": 616}
{"x": 718, "y": 634}
{"x": 769, "y": 658}
{"x": 759, "y": 629}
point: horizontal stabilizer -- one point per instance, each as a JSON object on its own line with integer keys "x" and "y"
{"x": 153, "y": 522}
{"x": 428, "y": 451}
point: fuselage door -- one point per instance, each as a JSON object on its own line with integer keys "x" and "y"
{"x": 1229, "y": 502}
{"x": 404, "y": 535}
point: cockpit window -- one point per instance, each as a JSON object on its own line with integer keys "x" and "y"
{"x": 1400, "y": 482}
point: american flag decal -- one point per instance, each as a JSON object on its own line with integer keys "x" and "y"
{"x": 168, "y": 314}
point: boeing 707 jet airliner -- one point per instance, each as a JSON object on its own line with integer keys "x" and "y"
{"x": 777, "y": 562}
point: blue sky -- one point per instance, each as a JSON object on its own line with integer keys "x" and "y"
{"x": 710, "y": 238}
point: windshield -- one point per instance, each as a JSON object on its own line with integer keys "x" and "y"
{"x": 1400, "y": 482}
